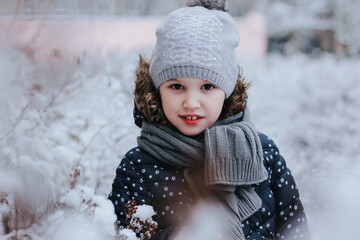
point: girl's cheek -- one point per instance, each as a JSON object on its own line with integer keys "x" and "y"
{"x": 171, "y": 101}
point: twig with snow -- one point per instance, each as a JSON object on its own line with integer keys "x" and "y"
{"x": 16, "y": 123}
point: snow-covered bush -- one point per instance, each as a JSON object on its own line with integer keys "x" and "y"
{"x": 48, "y": 133}
{"x": 140, "y": 222}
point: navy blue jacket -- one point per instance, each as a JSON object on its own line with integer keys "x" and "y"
{"x": 142, "y": 178}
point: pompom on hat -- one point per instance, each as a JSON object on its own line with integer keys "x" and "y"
{"x": 209, "y": 4}
{"x": 197, "y": 41}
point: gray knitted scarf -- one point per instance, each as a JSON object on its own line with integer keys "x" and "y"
{"x": 229, "y": 155}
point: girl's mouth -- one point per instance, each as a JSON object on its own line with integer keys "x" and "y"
{"x": 191, "y": 119}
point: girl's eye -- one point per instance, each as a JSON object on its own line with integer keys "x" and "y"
{"x": 176, "y": 86}
{"x": 207, "y": 87}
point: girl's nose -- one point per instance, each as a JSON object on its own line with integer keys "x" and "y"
{"x": 191, "y": 101}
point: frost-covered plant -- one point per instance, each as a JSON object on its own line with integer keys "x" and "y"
{"x": 139, "y": 219}
{"x": 37, "y": 153}
{"x": 21, "y": 152}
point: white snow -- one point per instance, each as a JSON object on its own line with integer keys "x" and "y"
{"x": 207, "y": 221}
{"x": 128, "y": 234}
{"x": 75, "y": 228}
{"x": 144, "y": 212}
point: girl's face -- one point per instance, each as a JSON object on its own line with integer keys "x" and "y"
{"x": 191, "y": 104}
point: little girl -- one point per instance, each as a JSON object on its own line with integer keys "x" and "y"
{"x": 197, "y": 141}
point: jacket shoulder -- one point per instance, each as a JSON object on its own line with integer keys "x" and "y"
{"x": 138, "y": 157}
{"x": 266, "y": 142}
{"x": 273, "y": 160}
{"x": 270, "y": 149}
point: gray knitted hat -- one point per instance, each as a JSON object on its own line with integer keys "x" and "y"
{"x": 197, "y": 41}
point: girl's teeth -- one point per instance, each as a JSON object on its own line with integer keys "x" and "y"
{"x": 191, "y": 118}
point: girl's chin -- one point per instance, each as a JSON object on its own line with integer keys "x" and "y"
{"x": 191, "y": 133}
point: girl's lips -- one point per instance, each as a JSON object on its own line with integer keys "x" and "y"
{"x": 191, "y": 119}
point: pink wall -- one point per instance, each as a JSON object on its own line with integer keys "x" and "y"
{"x": 75, "y": 35}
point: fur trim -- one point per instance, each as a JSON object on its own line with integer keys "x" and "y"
{"x": 147, "y": 97}
{"x": 148, "y": 100}
{"x": 209, "y": 4}
{"x": 236, "y": 102}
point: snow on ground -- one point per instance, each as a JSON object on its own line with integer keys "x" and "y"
{"x": 66, "y": 122}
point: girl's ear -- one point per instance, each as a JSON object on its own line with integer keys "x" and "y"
{"x": 147, "y": 97}
{"x": 236, "y": 102}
